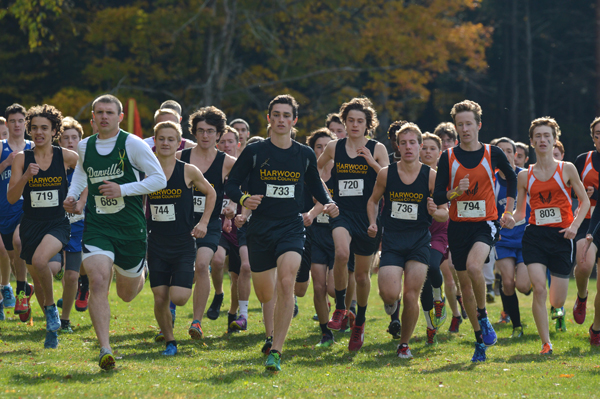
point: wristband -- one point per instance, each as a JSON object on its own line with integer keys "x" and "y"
{"x": 244, "y": 197}
{"x": 454, "y": 195}
{"x": 509, "y": 212}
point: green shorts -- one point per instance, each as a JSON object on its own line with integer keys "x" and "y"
{"x": 127, "y": 255}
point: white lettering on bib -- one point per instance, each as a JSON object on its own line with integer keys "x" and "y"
{"x": 163, "y": 213}
{"x": 44, "y": 199}
{"x": 351, "y": 188}
{"x": 107, "y": 206}
{"x": 471, "y": 209}
{"x": 404, "y": 210}
{"x": 276, "y": 191}
{"x": 547, "y": 215}
{"x": 199, "y": 202}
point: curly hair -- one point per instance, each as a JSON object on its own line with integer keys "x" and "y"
{"x": 69, "y": 122}
{"x": 365, "y": 106}
{"x": 45, "y": 111}
{"x": 545, "y": 121}
{"x": 211, "y": 115}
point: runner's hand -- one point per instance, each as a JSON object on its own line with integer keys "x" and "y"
{"x": 240, "y": 220}
{"x": 199, "y": 230}
{"x": 253, "y": 202}
{"x": 570, "y": 232}
{"x": 307, "y": 219}
{"x": 70, "y": 205}
{"x": 227, "y": 225}
{"x": 431, "y": 206}
{"x": 372, "y": 231}
{"x": 32, "y": 170}
{"x": 507, "y": 221}
{"x": 110, "y": 190}
{"x": 331, "y": 209}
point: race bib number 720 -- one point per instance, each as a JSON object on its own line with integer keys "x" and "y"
{"x": 351, "y": 187}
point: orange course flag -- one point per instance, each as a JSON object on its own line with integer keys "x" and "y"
{"x": 134, "y": 124}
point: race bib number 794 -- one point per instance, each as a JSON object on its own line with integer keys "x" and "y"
{"x": 471, "y": 209}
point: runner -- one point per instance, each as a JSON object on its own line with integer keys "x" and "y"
{"x": 357, "y": 162}
{"x": 278, "y": 168}
{"x": 243, "y": 129}
{"x": 171, "y": 230}
{"x": 110, "y": 164}
{"x": 548, "y": 239}
{"x": 406, "y": 187}
{"x": 522, "y": 155}
{"x": 588, "y": 166}
{"x": 39, "y": 175}
{"x": 207, "y": 125}
{"x": 394, "y": 156}
{"x": 508, "y": 249}
{"x": 559, "y": 151}
{"x": 3, "y": 128}
{"x": 7, "y": 296}
{"x": 465, "y": 177}
{"x": 168, "y": 114}
{"x": 336, "y": 126}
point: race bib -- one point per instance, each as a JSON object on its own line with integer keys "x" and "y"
{"x": 404, "y": 210}
{"x": 276, "y": 191}
{"x": 351, "y": 188}
{"x": 44, "y": 199}
{"x": 199, "y": 203}
{"x": 471, "y": 209}
{"x": 323, "y": 218}
{"x": 74, "y": 218}
{"x": 105, "y": 206}
{"x": 163, "y": 213}
{"x": 226, "y": 202}
{"x": 547, "y": 215}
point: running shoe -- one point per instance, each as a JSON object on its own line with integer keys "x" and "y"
{"x": 160, "y": 337}
{"x": 52, "y": 318}
{"x": 594, "y": 337}
{"x": 438, "y": 313}
{"x": 479, "y": 355}
{"x": 556, "y": 313}
{"x": 463, "y": 311}
{"x": 394, "y": 328}
{"x": 273, "y": 362}
{"x": 51, "y": 341}
{"x": 9, "y": 296}
{"x": 65, "y": 327}
{"x": 504, "y": 318}
{"x": 25, "y": 317}
{"x": 431, "y": 336}
{"x": 390, "y": 309}
{"x": 239, "y": 324}
{"x": 546, "y": 349}
{"x": 22, "y": 302}
{"x": 487, "y": 332}
{"x": 344, "y": 327}
{"x": 351, "y": 317}
{"x": 2, "y": 316}
{"x": 404, "y": 352}
{"x": 107, "y": 360}
{"x": 195, "y": 330}
{"x": 215, "y": 307}
{"x": 267, "y": 345}
{"x": 295, "y": 307}
{"x": 579, "y": 310}
{"x": 59, "y": 303}
{"x": 81, "y": 300}
{"x": 517, "y": 332}
{"x": 171, "y": 350}
{"x": 357, "y": 338}
{"x": 335, "y": 323}
{"x": 490, "y": 296}
{"x": 316, "y": 317}
{"x": 455, "y": 323}
{"x": 560, "y": 324}
{"x": 61, "y": 273}
{"x": 326, "y": 341}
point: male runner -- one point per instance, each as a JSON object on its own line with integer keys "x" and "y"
{"x": 357, "y": 159}
{"x": 110, "y": 164}
{"x": 392, "y": 130}
{"x": 522, "y": 155}
{"x": 7, "y": 296}
{"x": 465, "y": 177}
{"x": 243, "y": 129}
{"x": 336, "y": 126}
{"x": 168, "y": 114}
{"x": 278, "y": 168}
{"x": 3, "y": 128}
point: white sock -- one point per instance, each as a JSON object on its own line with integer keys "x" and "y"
{"x": 243, "y": 308}
{"x": 437, "y": 294}
{"x": 428, "y": 319}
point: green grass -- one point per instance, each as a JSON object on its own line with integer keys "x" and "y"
{"x": 223, "y": 365}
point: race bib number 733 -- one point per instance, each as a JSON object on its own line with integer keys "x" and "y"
{"x": 280, "y": 191}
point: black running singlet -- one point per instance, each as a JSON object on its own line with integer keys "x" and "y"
{"x": 214, "y": 175}
{"x": 405, "y": 205}
{"x": 45, "y": 192}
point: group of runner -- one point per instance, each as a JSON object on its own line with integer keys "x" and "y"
{"x": 430, "y": 213}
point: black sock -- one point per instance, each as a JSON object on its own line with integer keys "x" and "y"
{"x": 595, "y": 332}
{"x": 171, "y": 342}
{"x": 427, "y": 296}
{"x": 84, "y": 281}
{"x": 20, "y": 286}
{"x": 504, "y": 304}
{"x": 481, "y": 313}
{"x": 353, "y": 309}
{"x": 512, "y": 308}
{"x": 231, "y": 318}
{"x": 360, "y": 315}
{"x": 479, "y": 337}
{"x": 325, "y": 330}
{"x": 340, "y": 299}
{"x": 396, "y": 314}
{"x": 582, "y": 299}
{"x": 64, "y": 323}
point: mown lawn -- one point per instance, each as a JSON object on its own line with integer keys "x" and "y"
{"x": 223, "y": 365}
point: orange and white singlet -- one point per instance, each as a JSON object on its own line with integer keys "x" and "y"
{"x": 478, "y": 203}
{"x": 589, "y": 177}
{"x": 550, "y": 200}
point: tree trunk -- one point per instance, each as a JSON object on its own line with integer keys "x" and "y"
{"x": 514, "y": 81}
{"x": 529, "y": 45}
{"x": 597, "y": 57}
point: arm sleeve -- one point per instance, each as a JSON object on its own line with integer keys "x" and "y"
{"x": 313, "y": 180}
{"x": 500, "y": 161}
{"x": 142, "y": 158}
{"x": 79, "y": 180}
{"x": 441, "y": 180}
{"x": 579, "y": 165}
{"x": 594, "y": 221}
{"x": 240, "y": 170}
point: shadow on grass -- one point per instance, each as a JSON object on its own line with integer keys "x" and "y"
{"x": 43, "y": 377}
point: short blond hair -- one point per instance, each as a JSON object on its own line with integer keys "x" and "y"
{"x": 168, "y": 125}
{"x": 166, "y": 111}
{"x": 410, "y": 127}
{"x": 545, "y": 121}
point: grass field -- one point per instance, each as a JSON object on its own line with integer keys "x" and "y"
{"x": 223, "y": 365}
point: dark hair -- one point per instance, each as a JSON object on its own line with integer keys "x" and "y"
{"x": 446, "y": 129}
{"x": 363, "y": 105}
{"x": 506, "y": 140}
{"x": 240, "y": 120}
{"x": 333, "y": 118}
{"x": 254, "y": 139}
{"x": 464, "y": 106}
{"x": 211, "y": 115}
{"x": 433, "y": 137}
{"x": 317, "y": 134}
{"x": 285, "y": 99}
{"x": 108, "y": 99}
{"x": 524, "y": 147}
{"x": 394, "y": 128}
{"x": 14, "y": 109}
{"x": 45, "y": 111}
{"x": 171, "y": 104}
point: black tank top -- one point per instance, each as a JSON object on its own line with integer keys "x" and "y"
{"x": 405, "y": 205}
{"x": 45, "y": 192}
{"x": 172, "y": 208}
{"x": 355, "y": 178}
{"x": 214, "y": 175}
